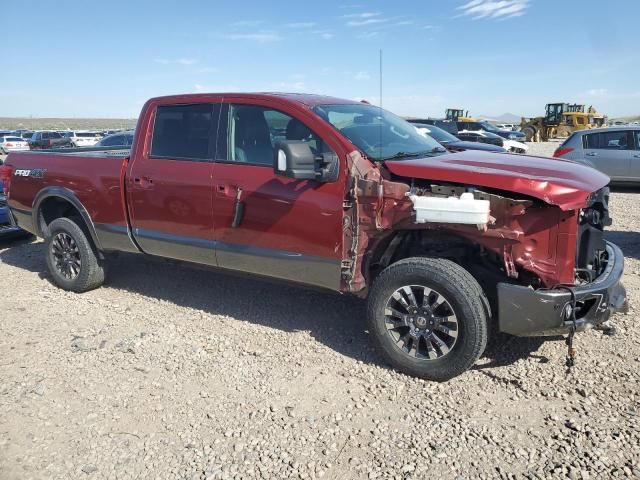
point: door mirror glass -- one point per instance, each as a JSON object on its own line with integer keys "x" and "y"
{"x": 294, "y": 159}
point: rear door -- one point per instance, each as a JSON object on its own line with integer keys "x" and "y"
{"x": 169, "y": 183}
{"x": 610, "y": 152}
{"x": 268, "y": 224}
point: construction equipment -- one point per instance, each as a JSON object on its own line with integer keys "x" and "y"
{"x": 561, "y": 120}
{"x": 458, "y": 115}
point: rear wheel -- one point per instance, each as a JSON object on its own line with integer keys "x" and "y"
{"x": 71, "y": 258}
{"x": 428, "y": 318}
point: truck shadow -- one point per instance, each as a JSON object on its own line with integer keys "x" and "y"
{"x": 331, "y": 319}
{"x": 629, "y": 242}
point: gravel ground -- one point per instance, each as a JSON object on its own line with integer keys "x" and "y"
{"x": 175, "y": 372}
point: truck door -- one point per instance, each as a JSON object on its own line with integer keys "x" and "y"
{"x": 267, "y": 224}
{"x": 169, "y": 183}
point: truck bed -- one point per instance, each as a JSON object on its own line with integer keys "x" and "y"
{"x": 94, "y": 175}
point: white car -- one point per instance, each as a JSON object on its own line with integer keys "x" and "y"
{"x": 509, "y": 145}
{"x": 83, "y": 138}
{"x": 13, "y": 144}
{"x": 512, "y": 127}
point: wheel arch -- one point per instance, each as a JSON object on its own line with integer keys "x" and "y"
{"x": 55, "y": 202}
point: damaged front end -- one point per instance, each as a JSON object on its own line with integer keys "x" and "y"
{"x": 532, "y": 257}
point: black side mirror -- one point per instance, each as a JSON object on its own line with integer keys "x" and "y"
{"x": 294, "y": 159}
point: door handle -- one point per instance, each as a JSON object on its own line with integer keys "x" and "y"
{"x": 591, "y": 154}
{"x": 144, "y": 182}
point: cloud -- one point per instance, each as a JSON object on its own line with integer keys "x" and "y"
{"x": 598, "y": 92}
{"x": 291, "y": 86}
{"x": 327, "y": 35}
{"x": 207, "y": 70}
{"x": 362, "y": 75}
{"x": 247, "y": 23}
{"x": 367, "y": 35}
{"x": 177, "y": 61}
{"x": 404, "y": 22}
{"x": 494, "y": 8}
{"x": 364, "y": 18}
{"x": 299, "y": 25}
{"x": 260, "y": 37}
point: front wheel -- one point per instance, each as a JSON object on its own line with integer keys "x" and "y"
{"x": 428, "y": 318}
{"x": 71, "y": 258}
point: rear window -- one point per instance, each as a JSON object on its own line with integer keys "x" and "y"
{"x": 86, "y": 134}
{"x": 12, "y": 139}
{"x": 183, "y": 132}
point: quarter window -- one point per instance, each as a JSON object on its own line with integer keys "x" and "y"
{"x": 185, "y": 132}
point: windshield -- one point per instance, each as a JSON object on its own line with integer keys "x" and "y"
{"x": 379, "y": 134}
{"x": 439, "y": 134}
{"x": 489, "y": 127}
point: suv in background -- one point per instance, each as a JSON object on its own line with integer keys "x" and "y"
{"x": 489, "y": 127}
{"x": 615, "y": 151}
{"x": 48, "y": 139}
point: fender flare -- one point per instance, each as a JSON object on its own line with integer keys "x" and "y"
{"x": 69, "y": 196}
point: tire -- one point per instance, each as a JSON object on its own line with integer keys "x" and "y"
{"x": 453, "y": 290}
{"x": 81, "y": 269}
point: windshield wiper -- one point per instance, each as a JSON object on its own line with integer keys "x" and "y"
{"x": 401, "y": 155}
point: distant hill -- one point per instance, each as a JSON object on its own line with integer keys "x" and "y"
{"x": 504, "y": 118}
{"x": 14, "y": 123}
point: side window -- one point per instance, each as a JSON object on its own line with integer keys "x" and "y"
{"x": 636, "y": 134}
{"x": 254, "y": 131}
{"x": 185, "y": 132}
{"x": 590, "y": 140}
{"x": 110, "y": 142}
{"x": 617, "y": 140}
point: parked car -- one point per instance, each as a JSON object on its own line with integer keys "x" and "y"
{"x": 80, "y": 138}
{"x": 48, "y": 139}
{"x": 513, "y": 127}
{"x": 488, "y": 127}
{"x": 8, "y": 228}
{"x": 453, "y": 143}
{"x": 124, "y": 139}
{"x": 614, "y": 151}
{"x": 13, "y": 144}
{"x": 344, "y": 196}
{"x": 480, "y": 135}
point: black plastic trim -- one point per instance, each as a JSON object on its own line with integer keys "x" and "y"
{"x": 69, "y": 196}
{"x": 523, "y": 311}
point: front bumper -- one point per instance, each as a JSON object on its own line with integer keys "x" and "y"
{"x": 526, "y": 312}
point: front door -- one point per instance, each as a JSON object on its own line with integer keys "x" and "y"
{"x": 169, "y": 185}
{"x": 268, "y": 224}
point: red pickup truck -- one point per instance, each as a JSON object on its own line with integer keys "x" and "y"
{"x": 340, "y": 195}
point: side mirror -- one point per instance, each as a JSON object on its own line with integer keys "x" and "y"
{"x": 294, "y": 159}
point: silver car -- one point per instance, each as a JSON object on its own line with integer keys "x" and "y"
{"x": 614, "y": 151}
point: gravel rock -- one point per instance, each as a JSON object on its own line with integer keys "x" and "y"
{"x": 180, "y": 373}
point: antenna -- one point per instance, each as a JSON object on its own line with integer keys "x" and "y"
{"x": 380, "y": 64}
{"x": 380, "y": 106}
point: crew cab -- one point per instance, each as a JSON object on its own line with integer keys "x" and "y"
{"x": 340, "y": 195}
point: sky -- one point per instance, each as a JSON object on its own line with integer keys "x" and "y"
{"x": 105, "y": 59}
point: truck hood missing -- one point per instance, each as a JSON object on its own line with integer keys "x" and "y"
{"x": 557, "y": 182}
